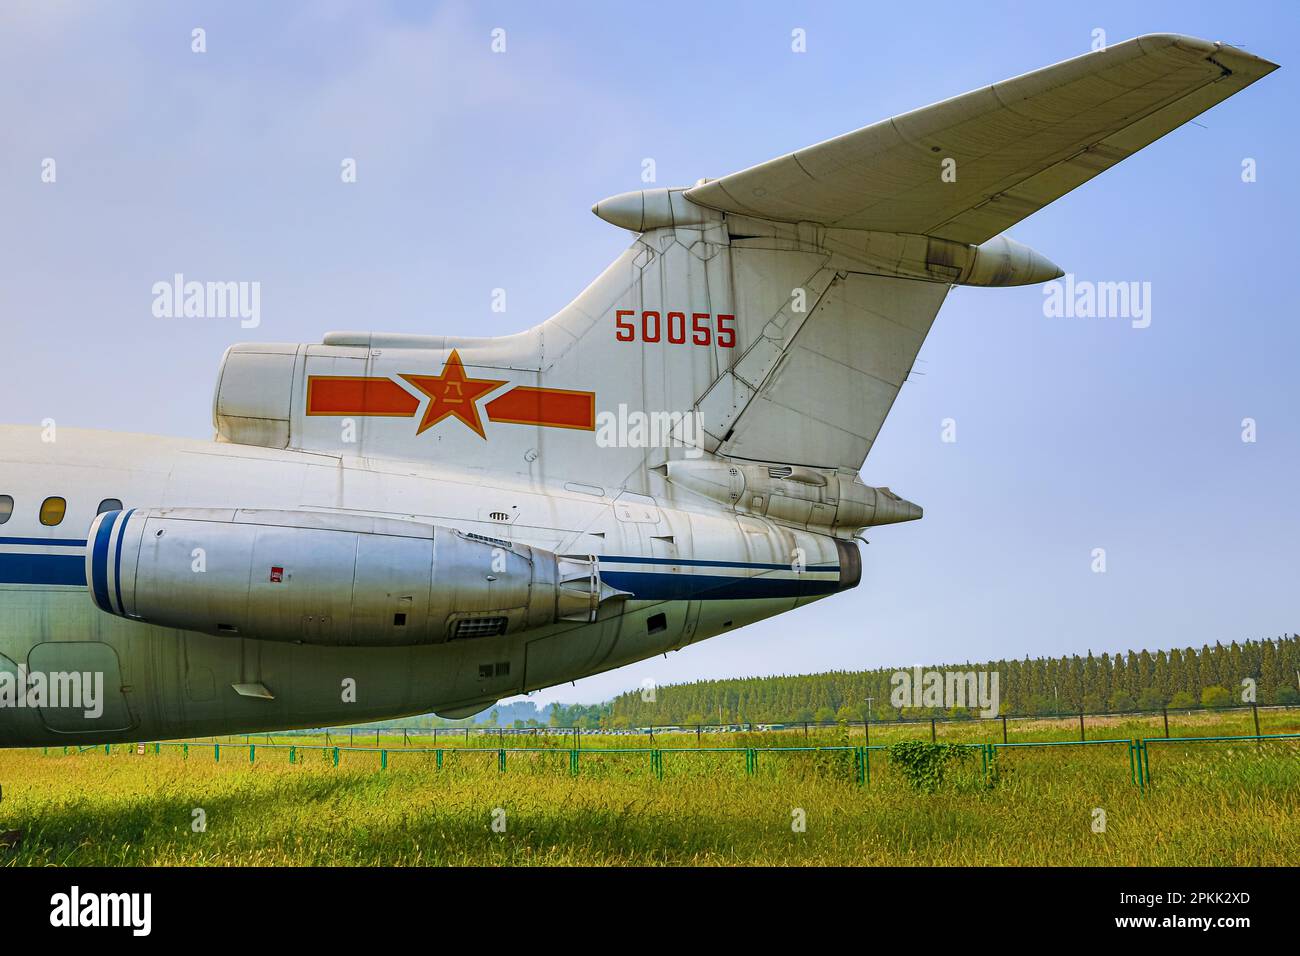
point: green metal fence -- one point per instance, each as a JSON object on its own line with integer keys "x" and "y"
{"x": 1080, "y": 726}
{"x": 859, "y": 756}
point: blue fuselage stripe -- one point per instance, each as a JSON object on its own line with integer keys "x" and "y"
{"x": 661, "y": 586}
{"x": 51, "y": 542}
{"x": 43, "y": 569}
{"x": 643, "y": 585}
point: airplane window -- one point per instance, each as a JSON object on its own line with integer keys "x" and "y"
{"x": 6, "y": 507}
{"x": 109, "y": 504}
{"x": 53, "y": 510}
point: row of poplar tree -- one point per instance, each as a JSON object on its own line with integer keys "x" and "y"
{"x": 1264, "y": 671}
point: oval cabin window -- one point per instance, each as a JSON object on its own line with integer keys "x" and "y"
{"x": 52, "y": 511}
{"x": 6, "y": 507}
{"x": 109, "y": 504}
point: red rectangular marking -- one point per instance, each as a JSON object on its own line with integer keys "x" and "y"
{"x": 552, "y": 407}
{"x": 359, "y": 395}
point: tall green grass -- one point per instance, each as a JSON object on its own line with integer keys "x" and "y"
{"x": 1210, "y": 803}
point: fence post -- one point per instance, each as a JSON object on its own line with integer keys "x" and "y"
{"x": 1081, "y": 731}
{"x": 697, "y": 736}
{"x": 501, "y": 761}
{"x": 293, "y": 754}
{"x": 185, "y": 751}
{"x": 1255, "y": 710}
{"x": 336, "y": 756}
{"x": 383, "y": 760}
{"x": 252, "y": 751}
{"x": 437, "y": 759}
{"x": 1166, "y": 712}
{"x": 932, "y": 731}
{"x": 216, "y": 753}
{"x": 1004, "y": 728}
{"x": 573, "y": 761}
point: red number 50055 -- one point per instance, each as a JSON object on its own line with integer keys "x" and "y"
{"x": 703, "y": 328}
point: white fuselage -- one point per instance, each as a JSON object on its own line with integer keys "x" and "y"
{"x": 694, "y": 570}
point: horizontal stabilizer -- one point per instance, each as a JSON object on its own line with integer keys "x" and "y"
{"x": 1014, "y": 147}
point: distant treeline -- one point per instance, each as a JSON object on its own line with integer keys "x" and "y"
{"x": 1136, "y": 680}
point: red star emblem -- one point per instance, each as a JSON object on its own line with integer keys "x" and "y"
{"x": 451, "y": 394}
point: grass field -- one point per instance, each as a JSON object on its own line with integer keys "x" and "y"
{"x": 1232, "y": 803}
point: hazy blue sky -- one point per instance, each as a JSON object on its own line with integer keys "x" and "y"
{"x": 478, "y": 170}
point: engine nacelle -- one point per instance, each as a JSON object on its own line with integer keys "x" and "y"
{"x": 319, "y": 578}
{"x": 813, "y": 498}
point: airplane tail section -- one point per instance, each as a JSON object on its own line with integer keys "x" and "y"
{"x": 777, "y": 344}
{"x": 766, "y": 319}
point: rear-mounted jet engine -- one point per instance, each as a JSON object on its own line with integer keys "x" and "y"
{"x": 314, "y": 578}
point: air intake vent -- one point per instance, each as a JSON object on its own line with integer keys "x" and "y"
{"x": 479, "y": 627}
{"x": 785, "y": 471}
{"x": 485, "y": 539}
